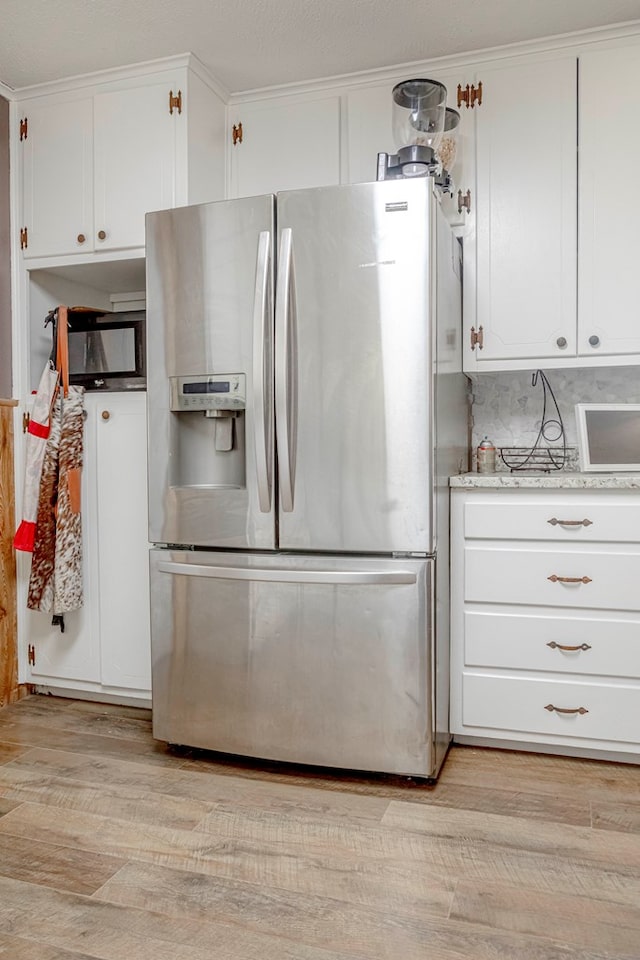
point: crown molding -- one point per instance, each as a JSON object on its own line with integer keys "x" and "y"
{"x": 143, "y": 69}
{"x": 441, "y": 65}
{"x": 207, "y": 77}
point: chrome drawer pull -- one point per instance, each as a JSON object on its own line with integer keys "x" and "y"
{"x": 581, "y": 710}
{"x": 570, "y": 523}
{"x": 565, "y": 646}
{"x": 556, "y": 579}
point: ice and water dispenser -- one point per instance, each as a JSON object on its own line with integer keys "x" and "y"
{"x": 209, "y": 432}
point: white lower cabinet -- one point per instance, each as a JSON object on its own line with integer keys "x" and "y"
{"x": 546, "y": 619}
{"x": 105, "y": 648}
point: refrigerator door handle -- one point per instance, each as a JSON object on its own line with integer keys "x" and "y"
{"x": 285, "y": 371}
{"x": 344, "y": 577}
{"x": 262, "y": 385}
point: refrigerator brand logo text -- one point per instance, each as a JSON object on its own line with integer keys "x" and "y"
{"x": 378, "y": 263}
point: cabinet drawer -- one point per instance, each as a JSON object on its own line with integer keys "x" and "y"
{"x": 523, "y": 576}
{"x": 518, "y": 641}
{"x": 520, "y": 704}
{"x": 569, "y": 520}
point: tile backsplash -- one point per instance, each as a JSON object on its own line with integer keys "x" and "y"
{"x": 508, "y": 409}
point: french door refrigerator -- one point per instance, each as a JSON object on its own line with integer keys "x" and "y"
{"x": 306, "y": 408}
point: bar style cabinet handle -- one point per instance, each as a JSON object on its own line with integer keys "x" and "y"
{"x": 570, "y": 523}
{"x": 581, "y": 710}
{"x": 568, "y": 647}
{"x": 556, "y": 579}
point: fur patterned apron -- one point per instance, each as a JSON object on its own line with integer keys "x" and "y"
{"x": 55, "y": 584}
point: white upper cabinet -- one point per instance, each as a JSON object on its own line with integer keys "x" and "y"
{"x": 57, "y": 176}
{"x": 284, "y": 143}
{"x": 526, "y": 226}
{"x": 132, "y": 123}
{"x": 369, "y": 132}
{"x": 609, "y": 242}
{"x": 94, "y": 160}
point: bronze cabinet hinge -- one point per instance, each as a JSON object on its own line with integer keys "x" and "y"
{"x": 24, "y": 238}
{"x": 24, "y": 128}
{"x": 26, "y": 420}
{"x": 470, "y": 95}
{"x": 175, "y": 103}
{"x": 464, "y": 201}
{"x": 31, "y": 654}
{"x": 236, "y": 133}
{"x": 477, "y": 338}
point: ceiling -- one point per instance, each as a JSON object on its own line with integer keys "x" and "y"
{"x": 257, "y": 43}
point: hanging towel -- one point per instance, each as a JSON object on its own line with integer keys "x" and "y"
{"x": 55, "y": 583}
{"x": 37, "y": 433}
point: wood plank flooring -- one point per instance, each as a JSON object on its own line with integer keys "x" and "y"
{"x": 114, "y": 847}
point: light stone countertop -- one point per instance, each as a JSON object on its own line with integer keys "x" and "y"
{"x": 550, "y": 481}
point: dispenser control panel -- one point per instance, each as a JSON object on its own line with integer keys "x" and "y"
{"x": 213, "y": 391}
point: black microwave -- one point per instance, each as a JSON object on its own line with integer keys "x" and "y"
{"x": 107, "y": 352}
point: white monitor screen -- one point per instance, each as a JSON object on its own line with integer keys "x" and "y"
{"x": 609, "y": 436}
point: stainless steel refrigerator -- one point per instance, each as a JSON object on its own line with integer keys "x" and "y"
{"x": 306, "y": 407}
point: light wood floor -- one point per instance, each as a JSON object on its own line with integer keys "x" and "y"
{"x": 112, "y": 846}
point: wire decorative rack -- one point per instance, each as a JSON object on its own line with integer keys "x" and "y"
{"x": 543, "y": 459}
{"x": 539, "y": 457}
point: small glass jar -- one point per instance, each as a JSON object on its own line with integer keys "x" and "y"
{"x": 486, "y": 456}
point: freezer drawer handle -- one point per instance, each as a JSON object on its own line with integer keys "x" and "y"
{"x": 581, "y": 710}
{"x": 343, "y": 577}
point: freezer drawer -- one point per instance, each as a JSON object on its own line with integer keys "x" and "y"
{"x": 318, "y": 660}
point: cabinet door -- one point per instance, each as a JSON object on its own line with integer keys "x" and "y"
{"x": 57, "y": 175}
{"x": 135, "y": 147}
{"x": 286, "y": 145}
{"x": 369, "y": 132}
{"x": 123, "y": 563}
{"x": 526, "y": 211}
{"x": 609, "y": 202}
